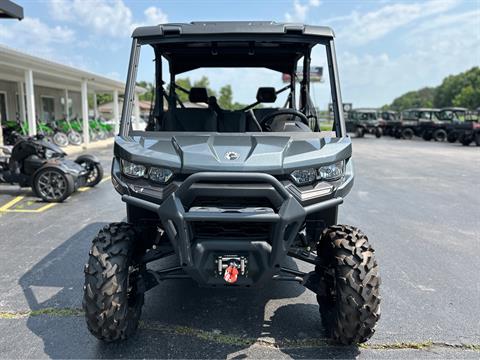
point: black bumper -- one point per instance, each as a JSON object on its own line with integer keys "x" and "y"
{"x": 197, "y": 256}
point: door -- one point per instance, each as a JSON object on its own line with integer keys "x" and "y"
{"x": 48, "y": 109}
{"x": 3, "y": 107}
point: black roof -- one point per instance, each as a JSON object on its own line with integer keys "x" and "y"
{"x": 10, "y": 10}
{"x": 233, "y": 44}
{"x": 232, "y": 28}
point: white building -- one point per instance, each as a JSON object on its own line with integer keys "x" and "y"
{"x": 32, "y": 88}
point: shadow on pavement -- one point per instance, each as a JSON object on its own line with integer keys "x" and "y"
{"x": 179, "y": 320}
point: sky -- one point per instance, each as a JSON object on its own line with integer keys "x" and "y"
{"x": 384, "y": 48}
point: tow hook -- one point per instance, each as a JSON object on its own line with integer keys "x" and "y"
{"x": 231, "y": 266}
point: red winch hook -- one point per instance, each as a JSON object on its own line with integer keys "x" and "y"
{"x": 231, "y": 274}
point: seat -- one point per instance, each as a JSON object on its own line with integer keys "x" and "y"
{"x": 191, "y": 119}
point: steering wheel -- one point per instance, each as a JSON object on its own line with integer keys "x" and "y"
{"x": 267, "y": 120}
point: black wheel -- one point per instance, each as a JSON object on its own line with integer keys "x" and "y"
{"x": 440, "y": 135}
{"x": 53, "y": 185}
{"x": 111, "y": 301}
{"x": 427, "y": 136}
{"x": 465, "y": 140}
{"x": 477, "y": 139}
{"x": 95, "y": 172}
{"x": 351, "y": 307}
{"x": 408, "y": 134}
{"x": 378, "y": 132}
{"x": 452, "y": 137}
{"x": 360, "y": 132}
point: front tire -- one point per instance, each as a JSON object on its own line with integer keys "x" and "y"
{"x": 408, "y": 134}
{"x": 350, "y": 308}
{"x": 440, "y": 135}
{"x": 111, "y": 301}
{"x": 378, "y": 132}
{"x": 53, "y": 185}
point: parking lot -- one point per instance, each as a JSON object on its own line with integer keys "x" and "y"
{"x": 417, "y": 201}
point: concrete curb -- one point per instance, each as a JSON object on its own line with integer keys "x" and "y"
{"x": 100, "y": 144}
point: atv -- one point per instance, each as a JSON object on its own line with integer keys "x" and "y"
{"x": 43, "y": 166}
{"x": 365, "y": 121}
{"x": 231, "y": 195}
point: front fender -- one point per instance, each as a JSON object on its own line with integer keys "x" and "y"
{"x": 88, "y": 157}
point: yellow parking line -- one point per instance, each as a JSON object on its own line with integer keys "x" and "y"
{"x": 106, "y": 178}
{"x": 11, "y": 203}
{"x": 39, "y": 210}
{"x": 7, "y": 206}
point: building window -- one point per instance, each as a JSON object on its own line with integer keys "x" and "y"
{"x": 48, "y": 109}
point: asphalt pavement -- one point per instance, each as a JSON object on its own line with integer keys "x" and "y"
{"x": 418, "y": 202}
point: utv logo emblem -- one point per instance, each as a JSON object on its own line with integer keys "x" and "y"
{"x": 231, "y": 155}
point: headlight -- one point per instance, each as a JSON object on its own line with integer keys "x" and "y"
{"x": 304, "y": 177}
{"x": 309, "y": 176}
{"x": 160, "y": 175}
{"x": 133, "y": 170}
{"x": 49, "y": 153}
{"x": 332, "y": 171}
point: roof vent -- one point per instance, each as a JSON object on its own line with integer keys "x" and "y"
{"x": 294, "y": 29}
{"x": 170, "y": 30}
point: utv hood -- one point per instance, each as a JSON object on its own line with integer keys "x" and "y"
{"x": 274, "y": 154}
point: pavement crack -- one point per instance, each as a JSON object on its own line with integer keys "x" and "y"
{"x": 218, "y": 337}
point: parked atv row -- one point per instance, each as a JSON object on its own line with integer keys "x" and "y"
{"x": 61, "y": 132}
{"x": 450, "y": 124}
{"x": 43, "y": 166}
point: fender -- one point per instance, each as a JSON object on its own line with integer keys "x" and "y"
{"x": 89, "y": 157}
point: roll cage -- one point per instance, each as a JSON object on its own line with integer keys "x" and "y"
{"x": 232, "y": 44}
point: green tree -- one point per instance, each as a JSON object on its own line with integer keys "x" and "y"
{"x": 226, "y": 97}
{"x": 420, "y": 98}
{"x": 461, "y": 90}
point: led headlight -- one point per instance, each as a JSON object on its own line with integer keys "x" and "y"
{"x": 160, "y": 175}
{"x": 304, "y": 177}
{"x": 49, "y": 153}
{"x": 133, "y": 170}
{"x": 332, "y": 172}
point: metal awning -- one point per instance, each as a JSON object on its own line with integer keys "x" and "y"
{"x": 10, "y": 10}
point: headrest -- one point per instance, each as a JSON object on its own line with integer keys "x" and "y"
{"x": 266, "y": 95}
{"x": 198, "y": 94}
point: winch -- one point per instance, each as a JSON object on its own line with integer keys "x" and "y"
{"x": 230, "y": 266}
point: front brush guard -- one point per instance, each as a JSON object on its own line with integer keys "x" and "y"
{"x": 176, "y": 218}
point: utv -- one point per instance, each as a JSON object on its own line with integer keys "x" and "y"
{"x": 390, "y": 121}
{"x": 415, "y": 122}
{"x": 462, "y": 125}
{"x": 230, "y": 194}
{"x": 364, "y": 121}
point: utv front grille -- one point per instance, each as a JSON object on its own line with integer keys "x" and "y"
{"x": 204, "y": 230}
{"x": 232, "y": 202}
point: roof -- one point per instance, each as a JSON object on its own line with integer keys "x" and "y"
{"x": 370, "y": 110}
{"x": 10, "y": 10}
{"x": 207, "y": 28}
{"x": 264, "y": 44}
{"x": 422, "y": 109}
{"x": 49, "y": 73}
{"x": 453, "y": 109}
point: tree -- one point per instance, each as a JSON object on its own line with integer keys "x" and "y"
{"x": 419, "y": 98}
{"x": 226, "y": 97}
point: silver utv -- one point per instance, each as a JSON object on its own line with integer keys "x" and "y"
{"x": 232, "y": 193}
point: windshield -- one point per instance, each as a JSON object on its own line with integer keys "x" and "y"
{"x": 233, "y": 87}
{"x": 364, "y": 116}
